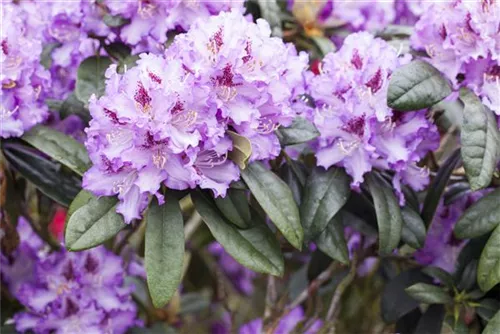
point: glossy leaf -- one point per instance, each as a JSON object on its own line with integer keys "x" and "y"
{"x": 389, "y": 218}
{"x": 255, "y": 248}
{"x": 442, "y": 275}
{"x": 59, "y": 147}
{"x": 437, "y": 186}
{"x": 480, "y": 141}
{"x": 93, "y": 221}
{"x": 164, "y": 250}
{"x": 45, "y": 174}
{"x": 481, "y": 218}
{"x": 301, "y": 131}
{"x": 488, "y": 271}
{"x": 487, "y": 308}
{"x": 235, "y": 207}
{"x": 90, "y": 77}
{"x": 493, "y": 326}
{"x": 242, "y": 150}
{"x": 431, "y": 321}
{"x": 276, "y": 199}
{"x": 332, "y": 242}
{"x": 325, "y": 193}
{"x": 413, "y": 231}
{"x": 417, "y": 85}
{"x": 429, "y": 294}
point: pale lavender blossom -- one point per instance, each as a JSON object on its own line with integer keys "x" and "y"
{"x": 358, "y": 130}
{"x": 463, "y": 41}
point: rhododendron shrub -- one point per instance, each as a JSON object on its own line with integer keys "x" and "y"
{"x": 250, "y": 166}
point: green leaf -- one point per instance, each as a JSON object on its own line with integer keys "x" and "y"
{"x": 325, "y": 194}
{"x": 73, "y": 106}
{"x": 46, "y": 56}
{"x": 468, "y": 278}
{"x": 242, "y": 150}
{"x": 90, "y": 78}
{"x": 431, "y": 321}
{"x": 413, "y": 232}
{"x": 45, "y": 174}
{"x": 417, "y": 85}
{"x": 271, "y": 12}
{"x": 389, "y": 218}
{"x": 332, "y": 242}
{"x": 255, "y": 248}
{"x": 429, "y": 294}
{"x": 59, "y": 147}
{"x": 115, "y": 21}
{"x": 493, "y": 326}
{"x": 118, "y": 51}
{"x": 164, "y": 250}
{"x": 480, "y": 141}
{"x": 276, "y": 199}
{"x": 487, "y": 308}
{"x": 481, "y": 218}
{"x": 323, "y": 44}
{"x": 437, "y": 186}
{"x": 235, "y": 207}
{"x": 293, "y": 180}
{"x": 93, "y": 221}
{"x": 442, "y": 275}
{"x": 488, "y": 271}
{"x": 395, "y": 302}
{"x": 300, "y": 131}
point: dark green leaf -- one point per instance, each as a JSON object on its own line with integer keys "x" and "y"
{"x": 318, "y": 263}
{"x": 242, "y": 150}
{"x": 276, "y": 199}
{"x": 323, "y": 44}
{"x": 429, "y": 294}
{"x": 437, "y": 186}
{"x": 235, "y": 207}
{"x": 389, "y": 218}
{"x": 413, "y": 232}
{"x": 115, "y": 21}
{"x": 487, "y": 308}
{"x": 493, "y": 326}
{"x": 117, "y": 50}
{"x": 443, "y": 276}
{"x": 332, "y": 242}
{"x": 488, "y": 271}
{"x": 431, "y": 321}
{"x": 127, "y": 63}
{"x": 293, "y": 181}
{"x": 407, "y": 323}
{"x": 300, "y": 131}
{"x": 271, "y": 12}
{"x": 90, "y": 78}
{"x": 468, "y": 278}
{"x": 455, "y": 192}
{"x": 164, "y": 250}
{"x": 45, "y": 174}
{"x": 93, "y": 222}
{"x": 480, "y": 218}
{"x": 194, "y": 303}
{"x": 255, "y": 248}
{"x": 471, "y": 251}
{"x": 46, "y": 56}
{"x": 417, "y": 85}
{"x": 59, "y": 147}
{"x": 73, "y": 106}
{"x": 480, "y": 141}
{"x": 325, "y": 194}
{"x": 395, "y": 301}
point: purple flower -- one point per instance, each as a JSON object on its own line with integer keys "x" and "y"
{"x": 461, "y": 39}
{"x": 286, "y": 325}
{"x": 24, "y": 81}
{"x": 165, "y": 121}
{"x": 67, "y": 292}
{"x": 358, "y": 130}
{"x": 150, "y": 20}
{"x": 241, "y": 277}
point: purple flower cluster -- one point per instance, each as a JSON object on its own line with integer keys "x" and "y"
{"x": 462, "y": 39}
{"x": 358, "y": 130}
{"x": 166, "y": 120}
{"x": 441, "y": 248}
{"x": 67, "y": 292}
{"x": 150, "y": 20}
{"x": 240, "y": 276}
{"x": 24, "y": 81}
{"x": 286, "y": 325}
